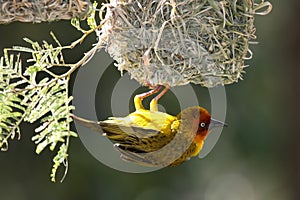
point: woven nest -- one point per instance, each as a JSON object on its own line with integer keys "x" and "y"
{"x": 176, "y": 42}
{"x": 41, "y": 10}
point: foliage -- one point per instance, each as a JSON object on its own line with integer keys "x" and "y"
{"x": 38, "y": 93}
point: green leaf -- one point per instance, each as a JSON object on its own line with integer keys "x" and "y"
{"x": 60, "y": 158}
{"x": 91, "y": 21}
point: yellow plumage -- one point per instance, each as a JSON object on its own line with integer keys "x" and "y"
{"x": 154, "y": 138}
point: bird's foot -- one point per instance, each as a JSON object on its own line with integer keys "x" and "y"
{"x": 154, "y": 101}
{"x": 139, "y": 98}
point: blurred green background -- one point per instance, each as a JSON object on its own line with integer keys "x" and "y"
{"x": 256, "y": 158}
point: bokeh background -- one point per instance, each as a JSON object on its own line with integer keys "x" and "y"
{"x": 256, "y": 158}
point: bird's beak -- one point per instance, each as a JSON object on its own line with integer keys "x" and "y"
{"x": 215, "y": 123}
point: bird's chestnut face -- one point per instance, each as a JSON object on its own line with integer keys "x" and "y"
{"x": 204, "y": 124}
{"x": 198, "y": 116}
{"x": 204, "y": 121}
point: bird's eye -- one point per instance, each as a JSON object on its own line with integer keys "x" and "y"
{"x": 202, "y": 124}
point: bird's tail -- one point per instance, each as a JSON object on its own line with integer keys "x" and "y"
{"x": 93, "y": 125}
{"x": 107, "y": 128}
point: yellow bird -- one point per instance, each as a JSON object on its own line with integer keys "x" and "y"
{"x": 154, "y": 138}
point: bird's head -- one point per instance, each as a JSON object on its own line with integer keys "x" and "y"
{"x": 200, "y": 117}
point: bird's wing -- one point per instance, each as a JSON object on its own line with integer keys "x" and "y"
{"x": 133, "y": 142}
{"x": 138, "y": 158}
{"x": 114, "y": 129}
{"x": 161, "y": 158}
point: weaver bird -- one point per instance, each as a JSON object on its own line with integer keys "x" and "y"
{"x": 154, "y": 138}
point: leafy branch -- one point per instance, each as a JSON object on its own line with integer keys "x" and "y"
{"x": 26, "y": 97}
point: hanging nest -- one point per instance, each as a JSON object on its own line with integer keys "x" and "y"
{"x": 42, "y": 10}
{"x": 176, "y": 42}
